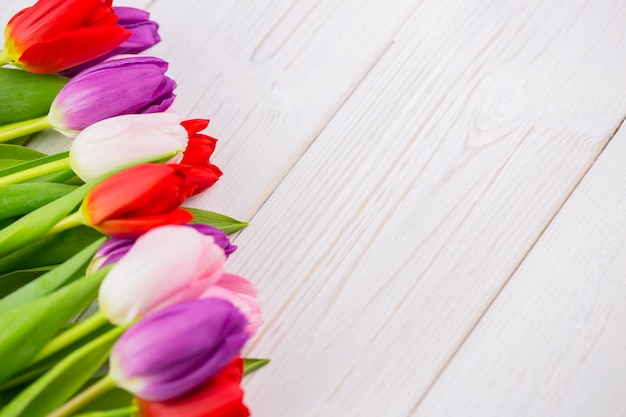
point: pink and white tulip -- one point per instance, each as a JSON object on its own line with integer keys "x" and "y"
{"x": 165, "y": 266}
{"x": 242, "y": 294}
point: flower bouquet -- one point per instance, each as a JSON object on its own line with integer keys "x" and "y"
{"x": 114, "y": 300}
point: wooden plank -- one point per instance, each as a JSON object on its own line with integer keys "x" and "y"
{"x": 553, "y": 343}
{"x": 392, "y": 235}
{"x": 269, "y": 75}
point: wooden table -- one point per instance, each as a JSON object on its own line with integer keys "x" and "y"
{"x": 436, "y": 192}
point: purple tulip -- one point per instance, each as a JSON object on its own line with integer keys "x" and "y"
{"x": 128, "y": 85}
{"x": 175, "y": 350}
{"x": 144, "y": 34}
{"x": 114, "y": 249}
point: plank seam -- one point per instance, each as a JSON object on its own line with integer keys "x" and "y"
{"x": 517, "y": 267}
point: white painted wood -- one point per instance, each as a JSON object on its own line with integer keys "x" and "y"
{"x": 269, "y": 75}
{"x": 553, "y": 343}
{"x": 385, "y": 244}
{"x": 398, "y": 226}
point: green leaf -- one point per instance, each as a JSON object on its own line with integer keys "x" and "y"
{"x": 62, "y": 381}
{"x": 34, "y": 163}
{"x": 6, "y": 163}
{"x": 117, "y": 412}
{"x": 39, "y": 222}
{"x": 52, "y": 280}
{"x": 18, "y": 152}
{"x": 221, "y": 221}
{"x": 50, "y": 250}
{"x": 26, "y": 329}
{"x": 252, "y": 364}
{"x": 19, "y": 199}
{"x": 26, "y": 96}
{"x": 17, "y": 383}
{"x": 14, "y": 280}
{"x": 115, "y": 399}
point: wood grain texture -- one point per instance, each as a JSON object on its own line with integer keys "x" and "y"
{"x": 269, "y": 74}
{"x": 392, "y": 235}
{"x": 553, "y": 343}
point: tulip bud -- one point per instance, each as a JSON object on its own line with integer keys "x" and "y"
{"x": 114, "y": 249}
{"x": 242, "y": 294}
{"x": 174, "y": 351}
{"x": 54, "y": 35}
{"x": 144, "y": 35}
{"x": 128, "y": 85}
{"x": 166, "y": 265}
{"x": 221, "y": 396}
{"x": 113, "y": 142}
{"x": 137, "y": 199}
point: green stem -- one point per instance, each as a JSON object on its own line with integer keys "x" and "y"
{"x": 75, "y": 333}
{"x": 94, "y": 391}
{"x": 16, "y": 130}
{"x": 36, "y": 172}
{"x": 4, "y": 58}
{"x": 73, "y": 220}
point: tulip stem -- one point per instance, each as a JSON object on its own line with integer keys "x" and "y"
{"x": 4, "y": 57}
{"x": 36, "y": 172}
{"x": 73, "y": 220}
{"x": 74, "y": 333}
{"x": 16, "y": 130}
{"x": 105, "y": 384}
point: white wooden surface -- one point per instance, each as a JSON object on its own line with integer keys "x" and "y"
{"x": 401, "y": 164}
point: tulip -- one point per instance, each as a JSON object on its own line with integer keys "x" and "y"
{"x": 126, "y": 85}
{"x": 54, "y": 35}
{"x": 129, "y": 85}
{"x": 164, "y": 266}
{"x": 221, "y": 396}
{"x": 199, "y": 150}
{"x": 137, "y": 199}
{"x": 114, "y": 142}
{"x": 144, "y": 35}
{"x": 242, "y": 294}
{"x": 174, "y": 351}
{"x": 114, "y": 249}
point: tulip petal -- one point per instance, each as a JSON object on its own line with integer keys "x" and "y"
{"x": 162, "y": 266}
{"x": 148, "y": 182}
{"x": 136, "y": 226}
{"x": 221, "y": 396}
{"x": 175, "y": 350}
{"x": 70, "y": 49}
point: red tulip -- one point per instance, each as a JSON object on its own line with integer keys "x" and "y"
{"x": 221, "y": 396}
{"x": 54, "y": 35}
{"x": 133, "y": 201}
{"x": 199, "y": 149}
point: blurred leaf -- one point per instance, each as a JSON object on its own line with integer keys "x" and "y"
{"x": 15, "y": 385}
{"x": 221, "y": 221}
{"x": 116, "y": 398}
{"x": 18, "y": 152}
{"x": 5, "y": 163}
{"x": 19, "y": 199}
{"x": 16, "y": 279}
{"x": 52, "y": 280}
{"x": 33, "y": 163}
{"x": 61, "y": 382}
{"x": 27, "y": 328}
{"x": 117, "y": 412}
{"x": 252, "y": 364}
{"x": 50, "y": 250}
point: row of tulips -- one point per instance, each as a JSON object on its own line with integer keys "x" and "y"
{"x": 106, "y": 222}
